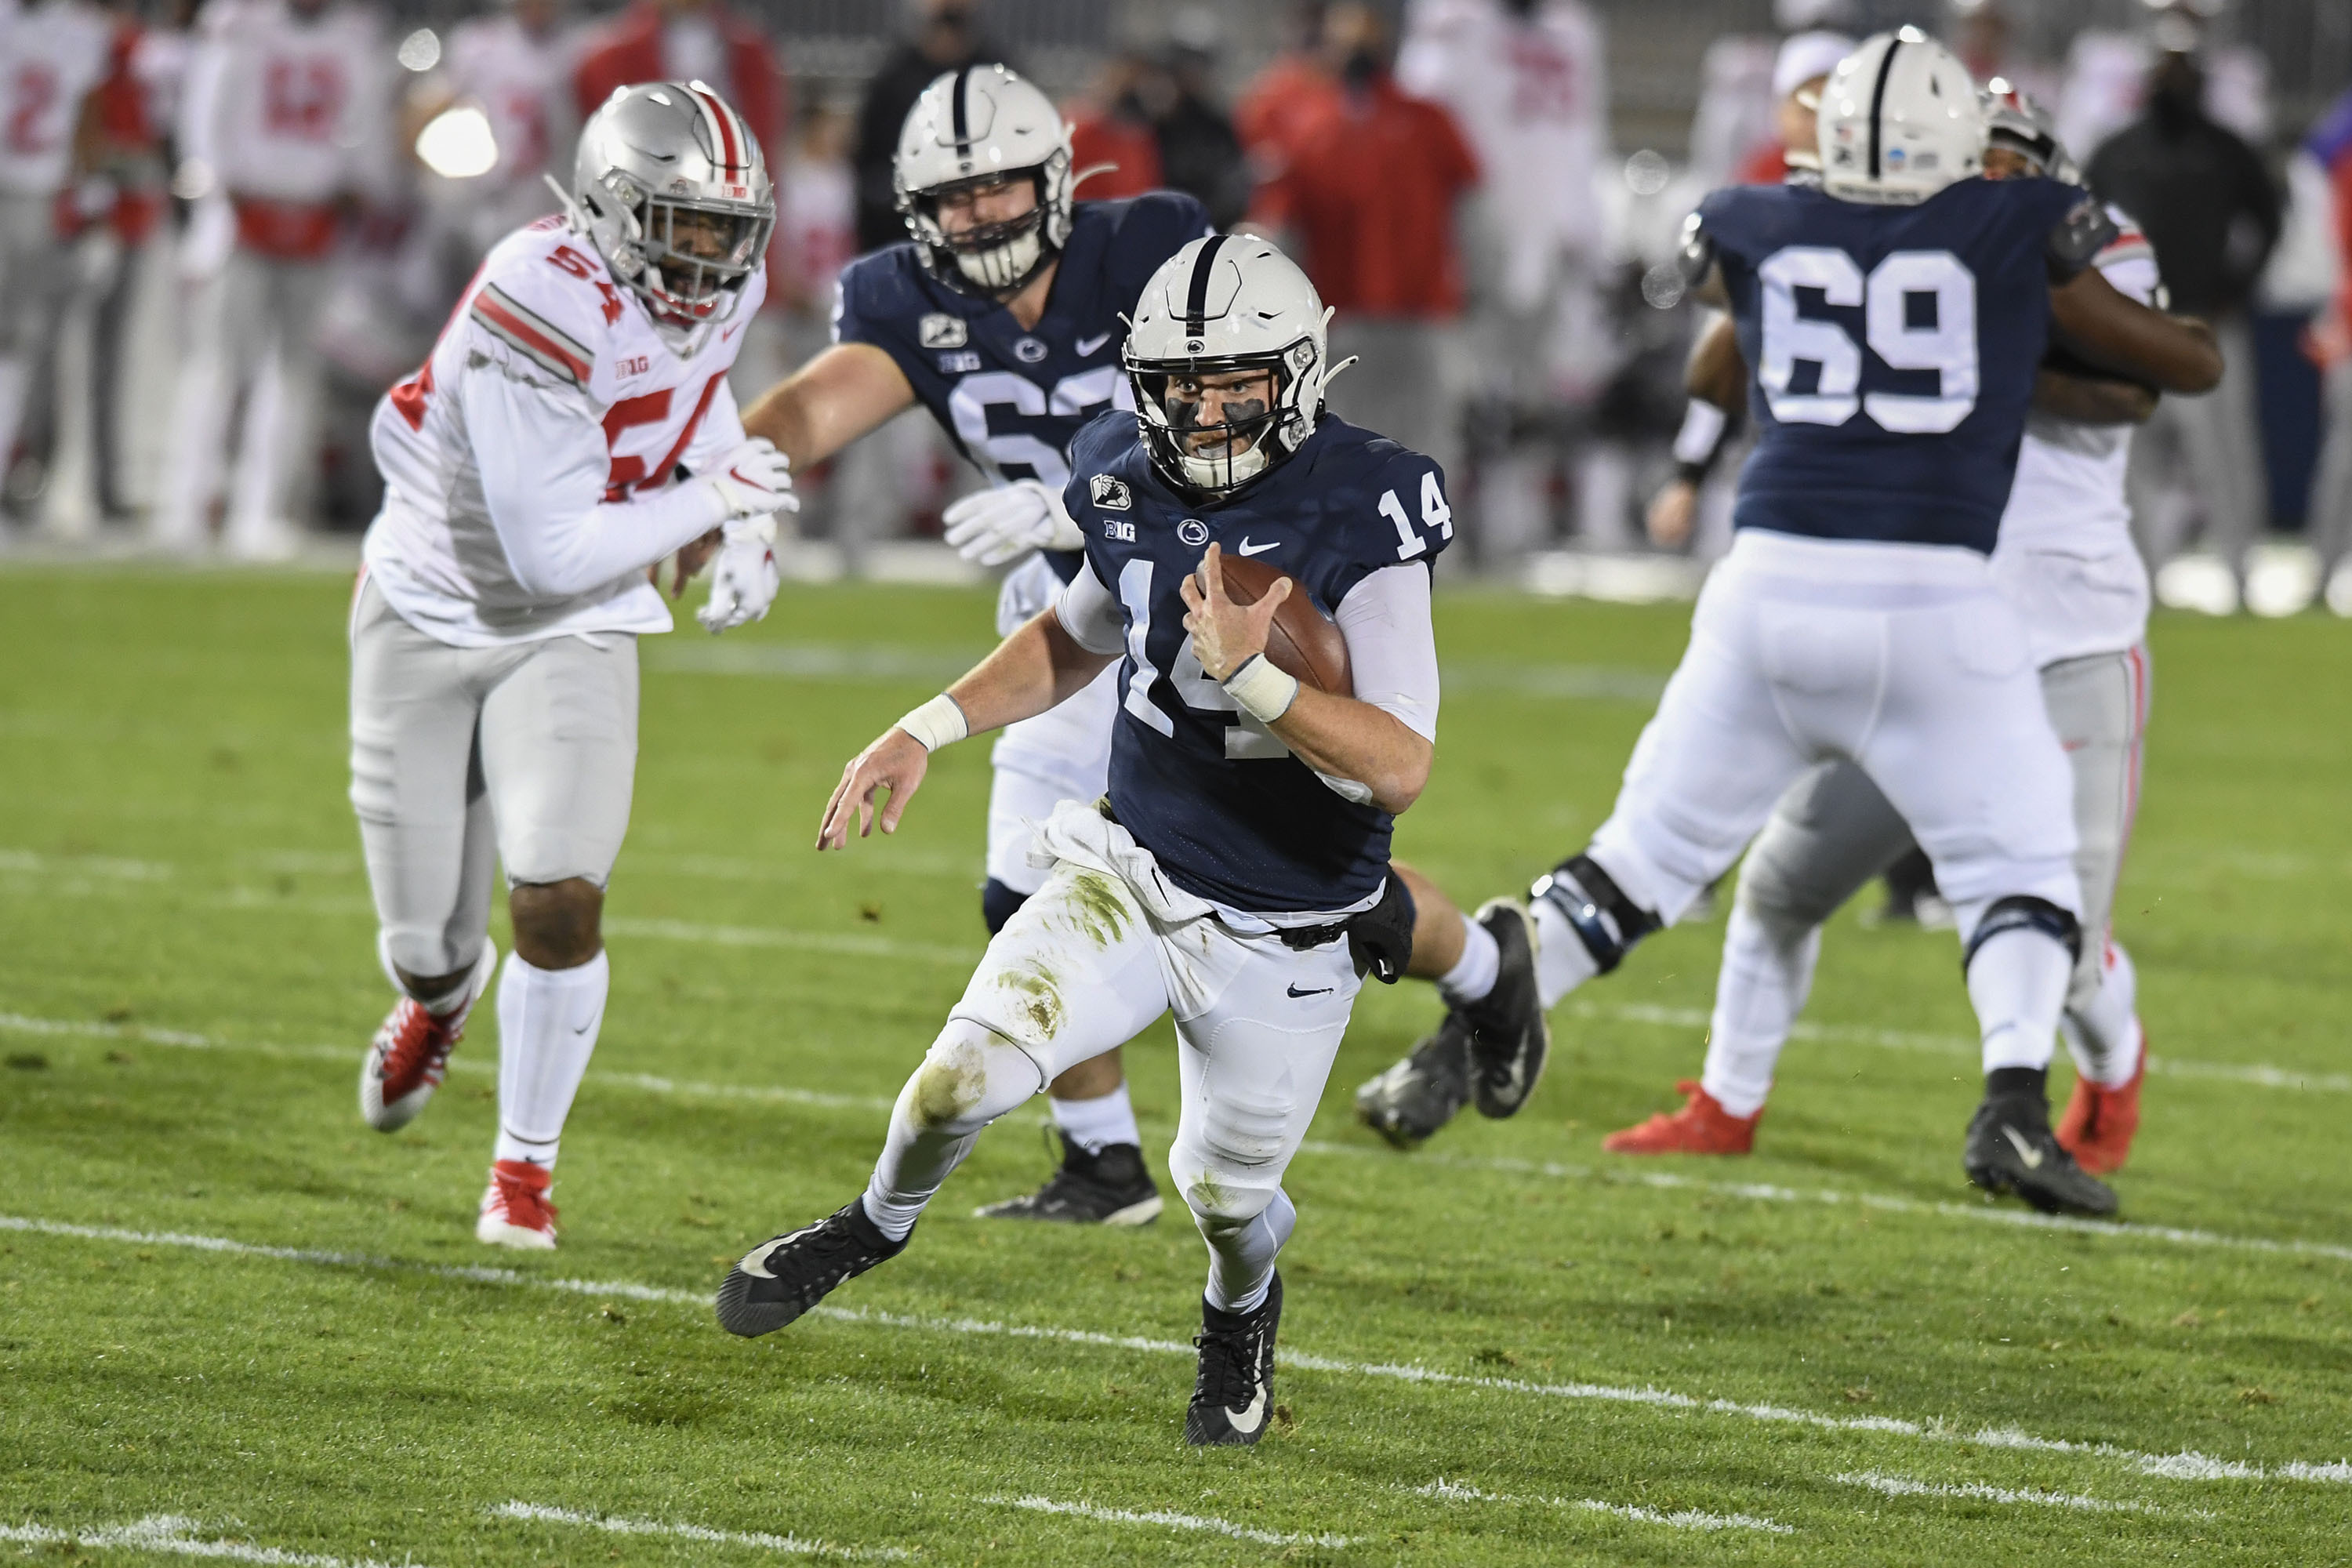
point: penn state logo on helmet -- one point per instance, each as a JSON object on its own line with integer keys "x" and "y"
{"x": 1900, "y": 120}
{"x": 1228, "y": 358}
{"x": 671, "y": 187}
{"x": 975, "y": 133}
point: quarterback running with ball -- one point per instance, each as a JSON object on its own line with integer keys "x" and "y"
{"x": 1237, "y": 872}
{"x": 570, "y": 429}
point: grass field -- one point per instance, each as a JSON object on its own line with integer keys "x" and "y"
{"x": 235, "y": 1322}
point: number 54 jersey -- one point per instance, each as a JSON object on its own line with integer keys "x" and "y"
{"x": 1894, "y": 350}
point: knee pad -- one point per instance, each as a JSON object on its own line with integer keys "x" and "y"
{"x": 2023, "y": 911}
{"x": 998, "y": 903}
{"x": 970, "y": 1076}
{"x": 1221, "y": 1198}
{"x": 1607, "y": 923}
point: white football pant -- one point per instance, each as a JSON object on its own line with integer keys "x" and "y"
{"x": 36, "y": 280}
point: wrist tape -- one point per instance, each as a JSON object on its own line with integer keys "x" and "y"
{"x": 1264, "y": 692}
{"x": 937, "y": 723}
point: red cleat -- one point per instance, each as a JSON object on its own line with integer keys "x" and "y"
{"x": 405, "y": 1061}
{"x": 515, "y": 1210}
{"x": 1701, "y": 1126}
{"x": 2099, "y": 1121}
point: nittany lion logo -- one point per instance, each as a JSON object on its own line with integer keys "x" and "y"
{"x": 1111, "y": 494}
{"x": 1192, "y": 532}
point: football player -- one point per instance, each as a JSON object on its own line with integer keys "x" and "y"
{"x": 2066, "y": 561}
{"x": 1237, "y": 874}
{"x": 1897, "y": 317}
{"x": 1004, "y": 316}
{"x": 571, "y": 428}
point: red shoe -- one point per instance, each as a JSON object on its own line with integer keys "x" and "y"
{"x": 1701, "y": 1126}
{"x": 2099, "y": 1121}
{"x": 515, "y": 1210}
{"x": 405, "y": 1061}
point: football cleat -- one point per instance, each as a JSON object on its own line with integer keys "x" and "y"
{"x": 2010, "y": 1149}
{"x": 1509, "y": 1040}
{"x": 514, "y": 1209}
{"x": 1108, "y": 1188}
{"x": 781, "y": 1279}
{"x": 1234, "y": 1393}
{"x": 2099, "y": 1121}
{"x": 1701, "y": 1126}
{"x": 1419, "y": 1094}
{"x": 410, "y": 1054}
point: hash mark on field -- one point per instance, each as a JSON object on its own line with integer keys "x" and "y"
{"x": 2185, "y": 1465}
{"x": 535, "y": 1513}
{"x": 1681, "y": 1519}
{"x": 1903, "y": 1486}
{"x": 169, "y": 1533}
{"x": 1171, "y": 1520}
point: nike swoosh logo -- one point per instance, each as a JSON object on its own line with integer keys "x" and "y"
{"x": 1296, "y": 991}
{"x": 755, "y": 1261}
{"x": 2025, "y": 1152}
{"x": 1246, "y": 548}
{"x": 1250, "y": 1416}
{"x": 1088, "y": 345}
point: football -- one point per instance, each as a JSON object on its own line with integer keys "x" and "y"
{"x": 1303, "y": 642}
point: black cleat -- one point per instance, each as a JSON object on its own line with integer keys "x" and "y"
{"x": 780, "y": 1279}
{"x": 1509, "y": 1040}
{"x": 1109, "y": 1188}
{"x": 1234, "y": 1394}
{"x": 1420, "y": 1093}
{"x": 2010, "y": 1149}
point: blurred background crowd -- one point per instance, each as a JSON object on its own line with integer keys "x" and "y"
{"x": 226, "y": 227}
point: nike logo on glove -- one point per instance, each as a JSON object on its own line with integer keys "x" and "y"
{"x": 1296, "y": 991}
{"x": 1250, "y": 1416}
{"x": 2025, "y": 1152}
{"x": 1088, "y": 345}
{"x": 1246, "y": 548}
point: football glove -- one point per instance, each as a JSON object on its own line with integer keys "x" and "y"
{"x": 754, "y": 480}
{"x": 994, "y": 526}
{"x": 743, "y": 578}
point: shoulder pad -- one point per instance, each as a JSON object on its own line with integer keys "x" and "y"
{"x": 546, "y": 295}
{"x": 2081, "y": 235}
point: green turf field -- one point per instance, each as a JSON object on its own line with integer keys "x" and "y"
{"x": 233, "y": 1321}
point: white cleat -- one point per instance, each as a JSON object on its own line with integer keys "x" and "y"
{"x": 515, "y": 1208}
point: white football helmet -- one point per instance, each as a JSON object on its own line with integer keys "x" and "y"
{"x": 1900, "y": 120}
{"x": 656, "y": 152}
{"x": 972, "y": 127}
{"x": 2013, "y": 119}
{"x": 1226, "y": 304}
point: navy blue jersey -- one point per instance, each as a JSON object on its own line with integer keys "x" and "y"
{"x": 1231, "y": 815}
{"x": 1893, "y": 352}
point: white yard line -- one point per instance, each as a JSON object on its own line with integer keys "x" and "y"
{"x": 2184, "y": 1466}
{"x": 1170, "y": 1522}
{"x": 1681, "y": 1519}
{"x": 535, "y": 1513}
{"x": 170, "y": 1533}
{"x": 1976, "y": 1491}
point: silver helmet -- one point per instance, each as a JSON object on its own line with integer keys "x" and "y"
{"x": 2017, "y": 121}
{"x": 979, "y": 126}
{"x": 673, "y": 190}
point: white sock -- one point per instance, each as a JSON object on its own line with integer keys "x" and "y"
{"x": 2017, "y": 984}
{"x": 2103, "y": 1035}
{"x": 1241, "y": 1260}
{"x": 1562, "y": 961}
{"x": 968, "y": 1077}
{"x": 548, "y": 1023}
{"x": 1096, "y": 1124}
{"x": 1472, "y": 978}
{"x": 1767, "y": 972}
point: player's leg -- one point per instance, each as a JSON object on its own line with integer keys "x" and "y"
{"x": 2099, "y": 707}
{"x": 277, "y": 480}
{"x": 34, "y": 273}
{"x": 213, "y": 370}
{"x": 416, "y": 789}
{"x": 1074, "y": 973}
{"x": 1828, "y": 835}
{"x": 559, "y": 757}
{"x": 1251, "y": 1066}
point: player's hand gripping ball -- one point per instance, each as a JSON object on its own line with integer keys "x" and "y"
{"x": 1300, "y": 640}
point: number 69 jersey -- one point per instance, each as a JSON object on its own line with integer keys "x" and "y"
{"x": 1894, "y": 350}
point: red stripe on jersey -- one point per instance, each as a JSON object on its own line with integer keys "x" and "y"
{"x": 493, "y": 310}
{"x": 729, "y": 147}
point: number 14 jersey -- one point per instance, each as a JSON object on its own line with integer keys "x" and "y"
{"x": 1894, "y": 350}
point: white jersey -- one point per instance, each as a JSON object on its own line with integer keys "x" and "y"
{"x": 1532, "y": 96}
{"x": 521, "y": 82}
{"x": 51, "y": 55}
{"x": 2066, "y": 557}
{"x": 281, "y": 109}
{"x": 532, "y": 467}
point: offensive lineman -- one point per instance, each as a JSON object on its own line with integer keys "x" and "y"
{"x": 1238, "y": 873}
{"x": 1856, "y": 617}
{"x": 535, "y": 470}
{"x": 1004, "y": 315}
{"x": 2066, "y": 560}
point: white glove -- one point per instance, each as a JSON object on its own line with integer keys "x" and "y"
{"x": 754, "y": 480}
{"x": 991, "y": 527}
{"x": 743, "y": 579}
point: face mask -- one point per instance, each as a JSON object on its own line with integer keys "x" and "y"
{"x": 1362, "y": 66}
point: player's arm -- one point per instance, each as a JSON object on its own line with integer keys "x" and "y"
{"x": 1048, "y": 661}
{"x": 2093, "y": 321}
{"x": 2086, "y": 397}
{"x": 1716, "y": 379}
{"x": 828, "y": 403}
{"x": 1366, "y": 740}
